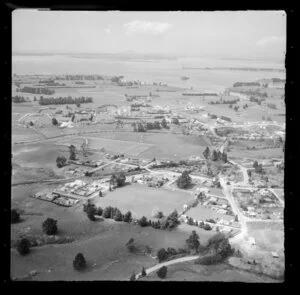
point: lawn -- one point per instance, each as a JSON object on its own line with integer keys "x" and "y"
{"x": 142, "y": 200}
{"x": 203, "y": 213}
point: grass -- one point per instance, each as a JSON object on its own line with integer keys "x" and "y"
{"x": 142, "y": 200}
{"x": 203, "y": 213}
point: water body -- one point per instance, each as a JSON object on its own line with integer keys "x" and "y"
{"x": 165, "y": 71}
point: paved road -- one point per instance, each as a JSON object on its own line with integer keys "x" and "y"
{"x": 167, "y": 263}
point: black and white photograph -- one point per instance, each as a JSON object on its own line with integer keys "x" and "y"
{"x": 148, "y": 145}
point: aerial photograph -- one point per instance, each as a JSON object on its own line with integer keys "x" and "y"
{"x": 148, "y": 146}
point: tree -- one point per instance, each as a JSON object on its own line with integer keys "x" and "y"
{"x": 61, "y": 161}
{"x": 164, "y": 123}
{"x": 175, "y": 121}
{"x": 214, "y": 156}
{"x": 132, "y": 277}
{"x": 113, "y": 180}
{"x": 206, "y": 153}
{"x": 184, "y": 180}
{"x": 54, "y": 121}
{"x": 50, "y": 226}
{"x": 172, "y": 220}
{"x": 14, "y": 215}
{"x": 121, "y": 179}
{"x": 131, "y": 245}
{"x": 79, "y": 263}
{"x": 107, "y": 212}
{"x": 219, "y": 244}
{"x": 91, "y": 211}
{"x": 118, "y": 215}
{"x": 127, "y": 217}
{"x": 143, "y": 273}
{"x": 255, "y": 164}
{"x": 159, "y": 214}
{"x": 23, "y": 246}
{"x": 72, "y": 151}
{"x": 162, "y": 272}
{"x": 224, "y": 157}
{"x": 162, "y": 254}
{"x": 143, "y": 221}
{"x": 99, "y": 211}
{"x": 193, "y": 241}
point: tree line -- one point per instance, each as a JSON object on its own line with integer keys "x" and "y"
{"x": 36, "y": 90}
{"x": 65, "y": 100}
{"x": 215, "y": 155}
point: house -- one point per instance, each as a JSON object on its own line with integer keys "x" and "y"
{"x": 275, "y": 254}
{"x": 185, "y": 206}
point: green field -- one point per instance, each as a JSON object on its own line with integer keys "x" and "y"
{"x": 141, "y": 200}
{"x": 203, "y": 213}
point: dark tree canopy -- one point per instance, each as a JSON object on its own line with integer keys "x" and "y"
{"x": 143, "y": 221}
{"x": 184, "y": 180}
{"x": 193, "y": 241}
{"x": 15, "y": 216}
{"x": 162, "y": 254}
{"x": 50, "y": 226}
{"x": 79, "y": 263}
{"x": 206, "y": 153}
{"x": 162, "y": 272}
{"x": 127, "y": 217}
{"x": 143, "y": 273}
{"x": 23, "y": 246}
{"x": 61, "y": 161}
{"x": 72, "y": 151}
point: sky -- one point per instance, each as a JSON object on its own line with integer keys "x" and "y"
{"x": 242, "y": 34}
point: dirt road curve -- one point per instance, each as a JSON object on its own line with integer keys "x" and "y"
{"x": 167, "y": 263}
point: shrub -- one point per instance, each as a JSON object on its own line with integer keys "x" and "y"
{"x": 107, "y": 212}
{"x": 14, "y": 215}
{"x": 79, "y": 263}
{"x": 118, "y": 215}
{"x": 162, "y": 272}
{"x": 127, "y": 217}
{"x": 209, "y": 259}
{"x": 132, "y": 277}
{"x": 162, "y": 254}
{"x": 50, "y": 226}
{"x": 193, "y": 241}
{"x": 23, "y": 246}
{"x": 184, "y": 180}
{"x": 131, "y": 245}
{"x": 61, "y": 161}
{"x": 143, "y": 221}
{"x": 159, "y": 214}
{"x": 143, "y": 272}
{"x": 99, "y": 211}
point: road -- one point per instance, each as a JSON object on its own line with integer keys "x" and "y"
{"x": 244, "y": 171}
{"x": 167, "y": 263}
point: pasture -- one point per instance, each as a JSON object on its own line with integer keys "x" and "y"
{"x": 142, "y": 200}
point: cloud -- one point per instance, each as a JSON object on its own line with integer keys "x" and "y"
{"x": 145, "y": 27}
{"x": 107, "y": 30}
{"x": 270, "y": 40}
